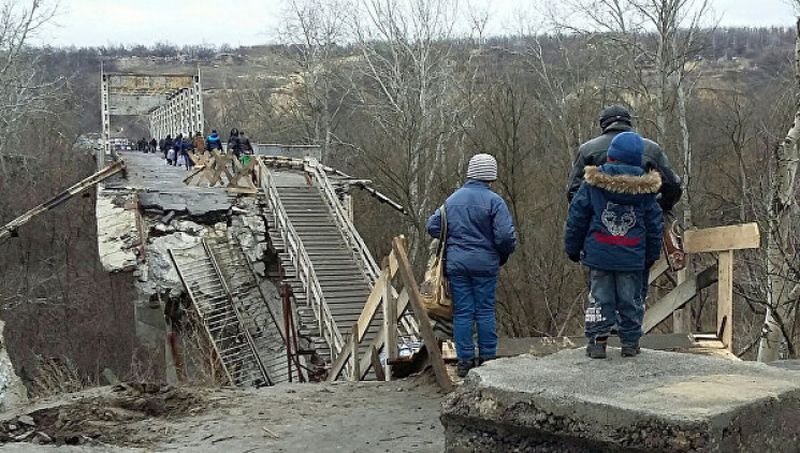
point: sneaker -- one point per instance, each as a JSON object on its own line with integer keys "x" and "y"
{"x": 464, "y": 366}
{"x": 630, "y": 350}
{"x": 596, "y": 350}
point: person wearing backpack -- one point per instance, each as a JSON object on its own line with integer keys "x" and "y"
{"x": 614, "y": 228}
{"x": 480, "y": 239}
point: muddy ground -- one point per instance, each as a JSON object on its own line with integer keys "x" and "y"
{"x": 400, "y": 416}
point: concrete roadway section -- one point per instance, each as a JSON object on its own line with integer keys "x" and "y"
{"x": 658, "y": 401}
{"x": 161, "y": 186}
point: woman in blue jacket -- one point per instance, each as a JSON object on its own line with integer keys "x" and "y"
{"x": 480, "y": 239}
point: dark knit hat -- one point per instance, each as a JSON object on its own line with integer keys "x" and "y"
{"x": 627, "y": 148}
{"x": 614, "y": 114}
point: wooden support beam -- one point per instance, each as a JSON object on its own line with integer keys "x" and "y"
{"x": 431, "y": 343}
{"x": 734, "y": 237}
{"x": 376, "y": 364}
{"x": 658, "y": 269}
{"x": 356, "y": 376}
{"x": 389, "y": 325}
{"x": 677, "y": 298}
{"x": 364, "y": 320}
{"x": 725, "y": 299}
{"x": 378, "y": 342}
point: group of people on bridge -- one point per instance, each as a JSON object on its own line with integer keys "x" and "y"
{"x": 620, "y": 186}
{"x": 180, "y": 150}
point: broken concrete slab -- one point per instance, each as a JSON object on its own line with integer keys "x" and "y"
{"x": 117, "y": 234}
{"x": 658, "y": 401}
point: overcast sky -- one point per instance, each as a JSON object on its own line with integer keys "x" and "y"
{"x": 247, "y": 22}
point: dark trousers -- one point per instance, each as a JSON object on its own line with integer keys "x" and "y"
{"x": 615, "y": 298}
{"x": 474, "y": 304}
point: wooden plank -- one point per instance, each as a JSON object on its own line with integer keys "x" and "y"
{"x": 367, "y": 314}
{"x": 371, "y": 306}
{"x": 378, "y": 341}
{"x": 677, "y": 298}
{"x": 407, "y": 274}
{"x": 390, "y": 317}
{"x": 376, "y": 364}
{"x": 733, "y": 237}
{"x": 725, "y": 299}
{"x": 356, "y": 376}
{"x": 658, "y": 269}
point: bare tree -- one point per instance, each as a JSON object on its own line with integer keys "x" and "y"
{"x": 782, "y": 270}
{"x": 408, "y": 84}
{"x": 315, "y": 29}
{"x": 23, "y": 89}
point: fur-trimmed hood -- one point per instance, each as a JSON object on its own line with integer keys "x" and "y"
{"x": 647, "y": 183}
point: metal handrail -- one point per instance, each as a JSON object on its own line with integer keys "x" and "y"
{"x": 302, "y": 262}
{"x": 356, "y": 242}
{"x": 240, "y": 318}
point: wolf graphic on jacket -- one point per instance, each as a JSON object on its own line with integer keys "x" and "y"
{"x": 614, "y": 220}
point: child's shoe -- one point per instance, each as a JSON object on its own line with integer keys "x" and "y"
{"x": 596, "y": 349}
{"x": 630, "y": 350}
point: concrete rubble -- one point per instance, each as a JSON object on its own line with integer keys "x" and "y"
{"x": 659, "y": 401}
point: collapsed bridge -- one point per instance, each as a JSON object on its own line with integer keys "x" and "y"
{"x": 269, "y": 268}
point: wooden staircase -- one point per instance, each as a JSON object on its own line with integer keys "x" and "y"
{"x": 342, "y": 279}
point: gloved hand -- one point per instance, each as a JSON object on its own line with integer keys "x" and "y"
{"x": 575, "y": 258}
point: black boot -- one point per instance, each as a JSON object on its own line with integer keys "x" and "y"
{"x": 482, "y": 360}
{"x": 596, "y": 349}
{"x": 630, "y": 350}
{"x": 464, "y": 366}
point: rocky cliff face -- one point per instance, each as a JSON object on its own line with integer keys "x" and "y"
{"x": 12, "y": 392}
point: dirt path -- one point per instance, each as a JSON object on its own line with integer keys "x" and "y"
{"x": 364, "y": 417}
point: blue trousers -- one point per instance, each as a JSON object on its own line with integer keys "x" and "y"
{"x": 615, "y": 298}
{"x": 474, "y": 303}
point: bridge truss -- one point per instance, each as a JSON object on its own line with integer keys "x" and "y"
{"x": 172, "y": 102}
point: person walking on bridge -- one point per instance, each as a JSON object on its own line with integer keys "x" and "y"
{"x": 199, "y": 143}
{"x": 480, "y": 239}
{"x": 234, "y": 144}
{"x": 614, "y": 228}
{"x": 213, "y": 142}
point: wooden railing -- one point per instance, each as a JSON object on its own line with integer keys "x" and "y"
{"x": 723, "y": 241}
{"x": 397, "y": 275}
{"x": 303, "y": 265}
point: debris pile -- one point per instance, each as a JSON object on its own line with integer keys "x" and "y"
{"x": 107, "y": 418}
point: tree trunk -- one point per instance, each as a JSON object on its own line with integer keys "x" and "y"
{"x": 778, "y": 236}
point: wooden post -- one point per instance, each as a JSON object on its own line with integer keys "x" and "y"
{"x": 725, "y": 299}
{"x": 376, "y": 364}
{"x": 389, "y": 325}
{"x": 356, "y": 376}
{"x": 682, "y": 317}
{"x": 431, "y": 343}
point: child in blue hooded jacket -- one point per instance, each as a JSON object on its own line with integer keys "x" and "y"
{"x": 615, "y": 229}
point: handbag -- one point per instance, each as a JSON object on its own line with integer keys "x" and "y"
{"x": 435, "y": 289}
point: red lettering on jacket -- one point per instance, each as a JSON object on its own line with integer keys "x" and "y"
{"x": 617, "y": 240}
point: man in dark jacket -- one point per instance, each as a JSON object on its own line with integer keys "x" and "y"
{"x": 615, "y": 228}
{"x": 480, "y": 239}
{"x": 613, "y": 121}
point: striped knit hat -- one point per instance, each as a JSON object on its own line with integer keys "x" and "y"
{"x": 482, "y": 167}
